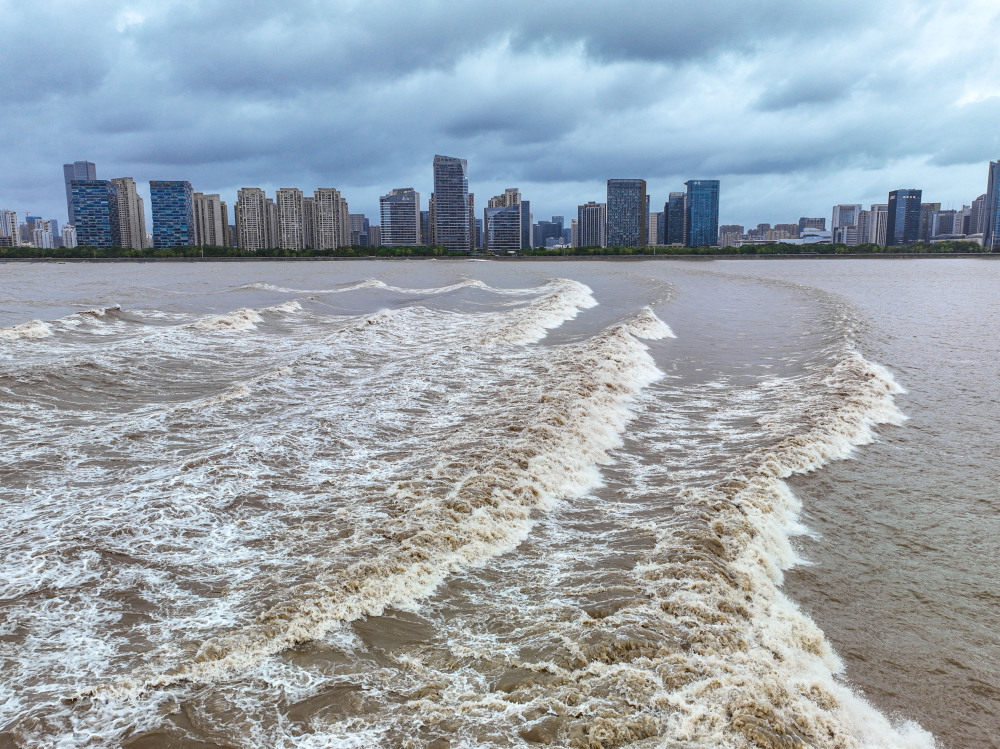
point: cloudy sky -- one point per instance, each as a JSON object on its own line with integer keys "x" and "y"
{"x": 794, "y": 104}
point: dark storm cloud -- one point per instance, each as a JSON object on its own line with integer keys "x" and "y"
{"x": 360, "y": 95}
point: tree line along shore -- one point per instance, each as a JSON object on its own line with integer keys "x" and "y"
{"x": 775, "y": 248}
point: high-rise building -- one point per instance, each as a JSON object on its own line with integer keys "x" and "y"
{"x": 675, "y": 218}
{"x": 426, "y": 229}
{"x": 653, "y": 236}
{"x": 69, "y": 236}
{"x": 472, "y": 222}
{"x": 864, "y": 227}
{"x": 547, "y": 232}
{"x": 990, "y": 217}
{"x": 903, "y": 220}
{"x": 502, "y": 223}
{"x": 331, "y": 220}
{"x": 291, "y": 223}
{"x": 131, "y": 214}
{"x": 878, "y": 219}
{"x": 399, "y": 212}
{"x": 78, "y": 170}
{"x": 359, "y": 229}
{"x": 451, "y": 204}
{"x": 626, "y": 209}
{"x": 976, "y": 215}
{"x": 308, "y": 221}
{"x": 943, "y": 223}
{"x": 211, "y": 220}
{"x": 592, "y": 225}
{"x": 41, "y": 234}
{"x": 10, "y": 231}
{"x": 845, "y": 214}
{"x": 375, "y": 236}
{"x": 172, "y": 203}
{"x": 702, "y": 204}
{"x": 95, "y": 207}
{"x": 926, "y": 213}
{"x": 806, "y": 222}
{"x": 251, "y": 219}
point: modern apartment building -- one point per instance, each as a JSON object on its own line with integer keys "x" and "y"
{"x": 592, "y": 225}
{"x": 95, "y": 208}
{"x": 675, "y": 218}
{"x": 452, "y": 207}
{"x": 252, "y": 230}
{"x": 172, "y": 203}
{"x": 78, "y": 171}
{"x": 702, "y": 211}
{"x": 291, "y": 221}
{"x": 399, "y": 212}
{"x": 627, "y": 207}
{"x": 131, "y": 214}
{"x": 211, "y": 221}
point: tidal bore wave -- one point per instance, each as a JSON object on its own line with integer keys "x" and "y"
{"x": 417, "y": 526}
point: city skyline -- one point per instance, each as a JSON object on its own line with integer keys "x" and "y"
{"x": 784, "y": 105}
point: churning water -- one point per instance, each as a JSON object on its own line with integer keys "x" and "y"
{"x": 463, "y": 504}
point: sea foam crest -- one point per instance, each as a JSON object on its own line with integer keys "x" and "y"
{"x": 32, "y": 330}
{"x": 239, "y": 320}
{"x": 758, "y": 670}
{"x": 453, "y": 518}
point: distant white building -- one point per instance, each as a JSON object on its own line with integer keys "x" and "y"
{"x": 69, "y": 235}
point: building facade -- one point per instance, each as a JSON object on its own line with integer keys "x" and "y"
{"x": 702, "y": 210}
{"x": 592, "y": 225}
{"x": 903, "y": 219}
{"x": 78, "y": 171}
{"x": 399, "y": 213}
{"x": 211, "y": 221}
{"x": 990, "y": 216}
{"x": 331, "y": 220}
{"x": 95, "y": 207}
{"x": 291, "y": 221}
{"x": 172, "y": 203}
{"x": 675, "y": 218}
{"x": 131, "y": 214}
{"x": 878, "y": 218}
{"x": 452, "y": 209}
{"x": 626, "y": 213}
{"x": 251, "y": 219}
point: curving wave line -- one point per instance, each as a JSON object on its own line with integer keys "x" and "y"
{"x": 454, "y": 521}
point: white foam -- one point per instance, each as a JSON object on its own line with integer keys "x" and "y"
{"x": 33, "y": 330}
{"x": 239, "y": 320}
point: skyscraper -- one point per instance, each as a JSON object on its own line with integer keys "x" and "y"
{"x": 291, "y": 222}
{"x": 675, "y": 217}
{"x": 10, "y": 231}
{"x": 331, "y": 222}
{"x": 903, "y": 219}
{"x": 251, "y": 219}
{"x": 626, "y": 213}
{"x": 451, "y": 207}
{"x": 976, "y": 215}
{"x": 400, "y": 217}
{"x": 702, "y": 207}
{"x": 592, "y": 225}
{"x": 211, "y": 220}
{"x": 131, "y": 214}
{"x": 503, "y": 222}
{"x": 878, "y": 219}
{"x": 172, "y": 203}
{"x": 95, "y": 206}
{"x": 990, "y": 216}
{"x": 845, "y": 214}
{"x": 78, "y": 170}
{"x": 926, "y": 213}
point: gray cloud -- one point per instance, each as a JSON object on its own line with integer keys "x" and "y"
{"x": 552, "y": 97}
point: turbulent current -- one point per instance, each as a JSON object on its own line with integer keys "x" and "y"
{"x": 438, "y": 504}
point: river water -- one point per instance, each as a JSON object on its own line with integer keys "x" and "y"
{"x": 453, "y": 503}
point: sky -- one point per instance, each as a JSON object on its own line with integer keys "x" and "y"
{"x": 794, "y": 105}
